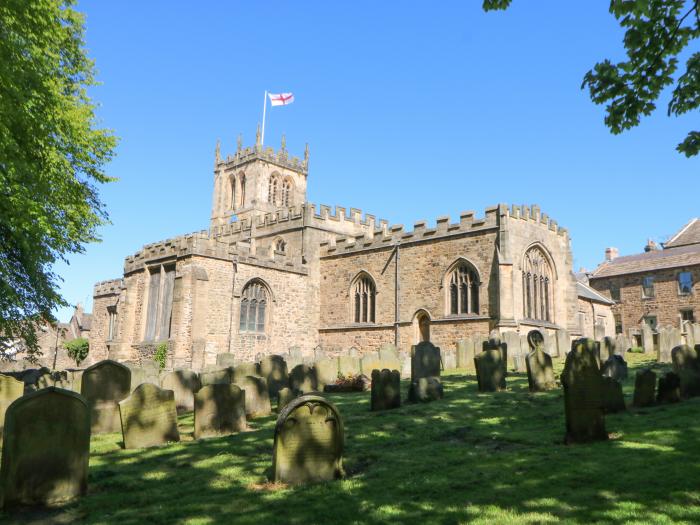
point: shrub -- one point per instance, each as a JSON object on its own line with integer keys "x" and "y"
{"x": 161, "y": 354}
{"x": 77, "y": 349}
{"x": 636, "y": 350}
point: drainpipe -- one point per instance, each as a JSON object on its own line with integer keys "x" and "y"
{"x": 396, "y": 297}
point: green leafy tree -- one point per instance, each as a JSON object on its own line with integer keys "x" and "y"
{"x": 161, "y": 354}
{"x": 77, "y": 349}
{"x": 52, "y": 157}
{"x": 656, "y": 32}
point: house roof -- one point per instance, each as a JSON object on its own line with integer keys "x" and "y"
{"x": 86, "y": 322}
{"x": 689, "y": 234}
{"x": 688, "y": 255}
{"x": 586, "y": 292}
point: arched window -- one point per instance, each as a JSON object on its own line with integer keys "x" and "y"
{"x": 232, "y": 185}
{"x": 242, "y": 192}
{"x": 364, "y": 297}
{"x": 272, "y": 188}
{"x": 286, "y": 192}
{"x": 253, "y": 308}
{"x": 280, "y": 246}
{"x": 537, "y": 285}
{"x": 463, "y": 290}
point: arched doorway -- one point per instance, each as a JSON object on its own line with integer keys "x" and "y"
{"x": 421, "y": 323}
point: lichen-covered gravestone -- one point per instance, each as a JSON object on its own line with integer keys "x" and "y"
{"x": 243, "y": 370}
{"x": 10, "y": 390}
{"x": 46, "y": 449}
{"x": 349, "y": 365}
{"x": 669, "y": 390}
{"x": 425, "y": 373}
{"x": 257, "y": 398}
{"x": 583, "y": 401}
{"x": 220, "y": 376}
{"x": 148, "y": 417}
{"x": 274, "y": 369}
{"x": 490, "y": 370}
{"x": 303, "y": 379}
{"x": 386, "y": 389}
{"x": 308, "y": 443}
{"x": 219, "y": 410}
{"x": 644, "y": 388}
{"x": 465, "y": 354}
{"x": 183, "y": 383}
{"x": 540, "y": 375}
{"x": 425, "y": 389}
{"x": 326, "y": 371}
{"x": 607, "y": 348}
{"x": 104, "y": 385}
{"x": 616, "y": 367}
{"x": 613, "y": 398}
{"x": 284, "y": 396}
{"x": 686, "y": 363}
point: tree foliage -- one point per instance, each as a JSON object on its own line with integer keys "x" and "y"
{"x": 52, "y": 157}
{"x": 77, "y": 349}
{"x": 656, "y": 33}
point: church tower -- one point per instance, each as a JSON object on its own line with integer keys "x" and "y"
{"x": 256, "y": 181}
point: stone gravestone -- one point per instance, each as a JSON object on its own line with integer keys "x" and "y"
{"x": 308, "y": 443}
{"x": 274, "y": 369}
{"x": 149, "y": 417}
{"x": 425, "y": 389}
{"x": 449, "y": 359}
{"x": 583, "y": 401}
{"x": 686, "y": 363}
{"x": 244, "y": 370}
{"x": 563, "y": 342}
{"x": 257, "y": 398}
{"x": 598, "y": 330}
{"x": 490, "y": 370}
{"x": 104, "y": 385}
{"x": 348, "y": 365}
{"x": 615, "y": 367}
{"x": 622, "y": 345}
{"x": 10, "y": 389}
{"x": 465, "y": 354}
{"x": 668, "y": 339}
{"x": 326, "y": 371}
{"x": 370, "y": 361}
{"x": 607, "y": 348}
{"x": 303, "y": 379}
{"x": 644, "y": 388}
{"x": 284, "y": 396}
{"x": 669, "y": 390}
{"x": 540, "y": 375}
{"x": 496, "y": 344}
{"x": 46, "y": 448}
{"x": 647, "y": 338}
{"x": 613, "y": 398}
{"x": 225, "y": 360}
{"x": 425, "y": 373}
{"x": 550, "y": 344}
{"x": 515, "y": 352}
{"x": 386, "y": 389}
{"x": 219, "y": 376}
{"x": 184, "y": 384}
{"x": 219, "y": 410}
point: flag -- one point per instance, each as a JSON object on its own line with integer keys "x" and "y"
{"x": 281, "y": 99}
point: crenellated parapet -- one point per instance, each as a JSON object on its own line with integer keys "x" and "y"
{"x": 198, "y": 243}
{"x": 249, "y": 154}
{"x": 110, "y": 287}
{"x": 533, "y": 214}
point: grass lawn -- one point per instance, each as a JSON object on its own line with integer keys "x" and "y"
{"x": 481, "y": 458}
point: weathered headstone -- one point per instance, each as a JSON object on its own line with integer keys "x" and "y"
{"x": 244, "y": 369}
{"x": 370, "y": 361}
{"x": 284, "y": 396}
{"x": 540, "y": 375}
{"x": 563, "y": 343}
{"x": 308, "y": 443}
{"x": 449, "y": 359}
{"x": 465, "y": 354}
{"x": 303, "y": 379}
{"x": 144, "y": 374}
{"x": 326, "y": 371}
{"x": 686, "y": 363}
{"x": 425, "y": 389}
{"x": 598, "y": 330}
{"x": 225, "y": 360}
{"x": 490, "y": 370}
{"x": 10, "y": 390}
{"x": 669, "y": 390}
{"x": 183, "y": 383}
{"x": 104, "y": 385}
{"x": 622, "y": 345}
{"x": 388, "y": 353}
{"x": 613, "y": 398}
{"x": 512, "y": 340}
{"x": 644, "y": 388}
{"x": 219, "y": 410}
{"x": 148, "y": 417}
{"x": 615, "y": 367}
{"x": 425, "y": 360}
{"x": 257, "y": 398}
{"x": 386, "y": 389}
{"x": 550, "y": 343}
{"x": 607, "y": 348}
{"x": 274, "y": 369}
{"x": 348, "y": 365}
{"x": 647, "y": 338}
{"x": 669, "y": 338}
{"x": 583, "y": 402}
{"x": 220, "y": 376}
{"x": 46, "y": 448}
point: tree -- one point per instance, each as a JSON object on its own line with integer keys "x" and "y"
{"x": 657, "y": 31}
{"x": 77, "y": 349}
{"x": 52, "y": 157}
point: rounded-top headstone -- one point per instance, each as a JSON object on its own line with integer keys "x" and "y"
{"x": 148, "y": 417}
{"x": 104, "y": 385}
{"x": 535, "y": 339}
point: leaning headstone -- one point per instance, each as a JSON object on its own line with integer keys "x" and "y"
{"x": 425, "y": 360}
{"x": 644, "y": 388}
{"x": 615, "y": 367}
{"x": 425, "y": 389}
{"x": 225, "y": 360}
{"x": 490, "y": 370}
{"x": 149, "y": 417}
{"x": 308, "y": 443}
{"x": 613, "y": 398}
{"x": 669, "y": 390}
{"x": 274, "y": 369}
{"x": 465, "y": 354}
{"x": 686, "y": 363}
{"x": 326, "y": 371}
{"x": 183, "y": 383}
{"x": 104, "y": 385}
{"x": 244, "y": 369}
{"x": 647, "y": 338}
{"x": 257, "y": 398}
{"x": 303, "y": 379}
{"x": 220, "y": 376}
{"x": 46, "y": 449}
{"x": 219, "y": 410}
{"x": 386, "y": 389}
{"x": 583, "y": 402}
{"x": 540, "y": 375}
{"x": 10, "y": 390}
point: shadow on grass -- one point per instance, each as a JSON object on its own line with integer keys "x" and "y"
{"x": 469, "y": 457}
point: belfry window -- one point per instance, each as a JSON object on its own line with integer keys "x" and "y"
{"x": 254, "y": 302}
{"x": 364, "y": 297}
{"x": 463, "y": 290}
{"x": 272, "y": 189}
{"x": 537, "y": 286}
{"x": 286, "y": 192}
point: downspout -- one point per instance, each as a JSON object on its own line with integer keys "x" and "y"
{"x": 396, "y": 297}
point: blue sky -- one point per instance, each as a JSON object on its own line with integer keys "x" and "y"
{"x": 412, "y": 110}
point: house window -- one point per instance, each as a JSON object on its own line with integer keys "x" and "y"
{"x": 463, "y": 290}
{"x": 111, "y": 322}
{"x": 364, "y": 297}
{"x": 648, "y": 286}
{"x": 615, "y": 292}
{"x": 538, "y": 281}
{"x": 618, "y": 323}
{"x": 650, "y": 320}
{"x": 687, "y": 316}
{"x": 685, "y": 283}
{"x": 254, "y": 300}
{"x": 160, "y": 302}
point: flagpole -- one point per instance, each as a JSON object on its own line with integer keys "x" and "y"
{"x": 262, "y": 138}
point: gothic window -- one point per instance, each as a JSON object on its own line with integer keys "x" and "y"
{"x": 286, "y": 192}
{"x": 463, "y": 290}
{"x": 232, "y": 184}
{"x": 280, "y": 246}
{"x": 112, "y": 322}
{"x": 241, "y": 179}
{"x": 538, "y": 283}
{"x": 272, "y": 189}
{"x": 160, "y": 303}
{"x": 364, "y": 297}
{"x": 253, "y": 308}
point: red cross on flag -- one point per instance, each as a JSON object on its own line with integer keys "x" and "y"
{"x": 281, "y": 99}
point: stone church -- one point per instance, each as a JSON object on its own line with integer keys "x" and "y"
{"x": 275, "y": 271}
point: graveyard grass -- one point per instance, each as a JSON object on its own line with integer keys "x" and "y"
{"x": 478, "y": 458}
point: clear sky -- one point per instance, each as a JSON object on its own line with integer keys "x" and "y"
{"x": 412, "y": 110}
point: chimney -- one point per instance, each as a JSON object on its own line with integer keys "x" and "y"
{"x": 611, "y": 254}
{"x": 651, "y": 246}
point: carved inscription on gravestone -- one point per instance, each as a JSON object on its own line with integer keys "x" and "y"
{"x": 149, "y": 417}
{"x": 308, "y": 443}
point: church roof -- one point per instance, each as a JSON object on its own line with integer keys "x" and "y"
{"x": 689, "y": 234}
{"x": 688, "y": 255}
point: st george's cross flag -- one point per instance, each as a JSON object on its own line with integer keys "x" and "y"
{"x": 282, "y": 99}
